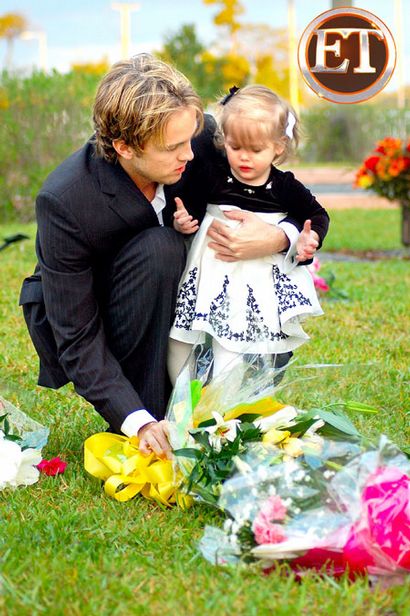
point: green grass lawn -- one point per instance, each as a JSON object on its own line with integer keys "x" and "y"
{"x": 66, "y": 549}
{"x": 364, "y": 230}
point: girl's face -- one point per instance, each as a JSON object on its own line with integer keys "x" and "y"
{"x": 251, "y": 161}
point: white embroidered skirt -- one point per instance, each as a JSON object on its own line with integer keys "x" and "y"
{"x": 249, "y": 306}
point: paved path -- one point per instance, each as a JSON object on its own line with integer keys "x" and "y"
{"x": 345, "y": 197}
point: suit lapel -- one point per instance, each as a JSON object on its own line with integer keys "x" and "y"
{"x": 124, "y": 198}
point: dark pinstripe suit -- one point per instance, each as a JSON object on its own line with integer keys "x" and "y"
{"x": 101, "y": 301}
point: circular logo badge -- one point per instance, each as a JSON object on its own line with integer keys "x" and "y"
{"x": 347, "y": 55}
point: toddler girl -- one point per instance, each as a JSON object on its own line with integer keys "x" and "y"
{"x": 254, "y": 306}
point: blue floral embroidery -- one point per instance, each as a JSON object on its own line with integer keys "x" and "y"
{"x": 186, "y": 301}
{"x": 286, "y": 292}
{"x": 220, "y": 312}
{"x": 257, "y": 329}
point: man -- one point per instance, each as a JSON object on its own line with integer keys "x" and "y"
{"x": 101, "y": 301}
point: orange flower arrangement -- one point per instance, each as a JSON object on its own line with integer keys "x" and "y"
{"x": 387, "y": 170}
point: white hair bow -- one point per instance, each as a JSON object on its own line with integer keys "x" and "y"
{"x": 290, "y": 125}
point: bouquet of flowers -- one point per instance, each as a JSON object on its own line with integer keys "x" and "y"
{"x": 387, "y": 170}
{"x": 21, "y": 440}
{"x": 352, "y": 517}
{"x": 214, "y": 423}
{"x": 237, "y": 420}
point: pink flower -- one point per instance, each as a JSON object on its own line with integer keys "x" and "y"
{"x": 320, "y": 283}
{"x": 52, "y": 467}
{"x": 314, "y": 266}
{"x": 263, "y": 528}
{"x": 274, "y": 509}
{"x": 266, "y": 532}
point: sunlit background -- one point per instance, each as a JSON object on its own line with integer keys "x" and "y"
{"x": 257, "y": 35}
{"x": 53, "y": 54}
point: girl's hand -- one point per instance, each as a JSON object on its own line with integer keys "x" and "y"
{"x": 307, "y": 243}
{"x": 251, "y": 239}
{"x": 183, "y": 221}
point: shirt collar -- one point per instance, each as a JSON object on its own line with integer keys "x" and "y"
{"x": 158, "y": 202}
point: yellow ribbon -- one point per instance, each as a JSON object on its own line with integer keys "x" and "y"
{"x": 126, "y": 472}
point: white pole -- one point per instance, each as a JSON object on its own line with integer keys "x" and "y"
{"x": 401, "y": 93}
{"x": 293, "y": 61}
{"x": 125, "y": 25}
{"x": 41, "y": 37}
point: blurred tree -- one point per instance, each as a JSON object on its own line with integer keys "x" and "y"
{"x": 266, "y": 49}
{"x": 92, "y": 68}
{"x": 227, "y": 17}
{"x": 184, "y": 50}
{"x": 12, "y": 25}
{"x": 235, "y": 70}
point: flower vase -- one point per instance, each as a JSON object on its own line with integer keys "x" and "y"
{"x": 405, "y": 221}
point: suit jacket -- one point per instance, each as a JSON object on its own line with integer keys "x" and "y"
{"x": 87, "y": 210}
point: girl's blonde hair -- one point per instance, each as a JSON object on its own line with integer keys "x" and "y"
{"x": 135, "y": 100}
{"x": 256, "y": 113}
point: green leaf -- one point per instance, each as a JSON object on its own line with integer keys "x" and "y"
{"x": 301, "y": 427}
{"x": 248, "y": 417}
{"x": 188, "y": 452}
{"x": 14, "y": 438}
{"x": 201, "y": 437}
{"x": 207, "y": 423}
{"x": 338, "y": 421}
{"x": 248, "y": 428}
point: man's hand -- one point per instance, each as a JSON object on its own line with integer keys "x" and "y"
{"x": 154, "y": 439}
{"x": 307, "y": 243}
{"x": 183, "y": 221}
{"x": 251, "y": 239}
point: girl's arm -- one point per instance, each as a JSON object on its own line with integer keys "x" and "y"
{"x": 301, "y": 206}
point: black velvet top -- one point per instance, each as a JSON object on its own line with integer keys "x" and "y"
{"x": 208, "y": 179}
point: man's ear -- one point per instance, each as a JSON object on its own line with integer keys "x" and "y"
{"x": 122, "y": 149}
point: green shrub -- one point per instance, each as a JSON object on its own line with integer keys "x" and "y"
{"x": 340, "y": 133}
{"x": 43, "y": 119}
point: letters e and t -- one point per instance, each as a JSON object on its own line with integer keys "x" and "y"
{"x": 364, "y": 50}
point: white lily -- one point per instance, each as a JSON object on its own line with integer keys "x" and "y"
{"x": 281, "y": 419}
{"x": 222, "y": 430}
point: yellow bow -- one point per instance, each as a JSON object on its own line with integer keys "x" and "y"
{"x": 126, "y": 472}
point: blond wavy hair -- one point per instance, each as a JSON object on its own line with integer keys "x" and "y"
{"x": 135, "y": 101}
{"x": 256, "y": 114}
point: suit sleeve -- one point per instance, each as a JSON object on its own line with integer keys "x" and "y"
{"x": 301, "y": 205}
{"x": 72, "y": 310}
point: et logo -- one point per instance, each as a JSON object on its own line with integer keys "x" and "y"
{"x": 347, "y": 55}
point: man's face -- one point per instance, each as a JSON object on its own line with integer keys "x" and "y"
{"x": 165, "y": 164}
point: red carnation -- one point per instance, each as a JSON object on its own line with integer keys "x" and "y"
{"x": 52, "y": 467}
{"x": 371, "y": 162}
